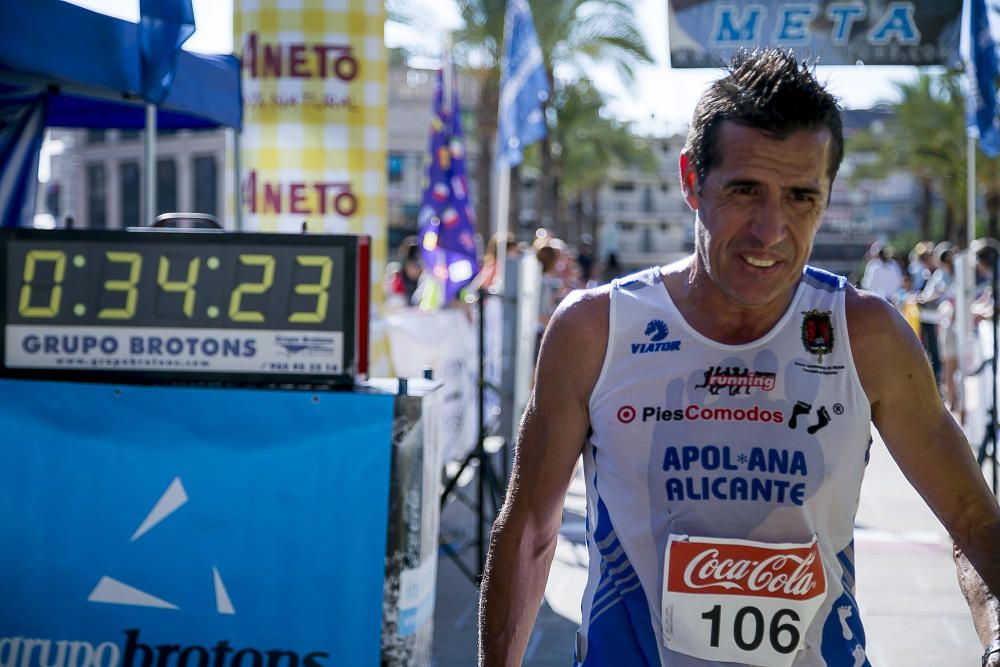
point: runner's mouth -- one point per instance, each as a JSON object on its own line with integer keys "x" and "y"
{"x": 759, "y": 263}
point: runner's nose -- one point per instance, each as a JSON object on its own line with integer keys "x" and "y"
{"x": 768, "y": 224}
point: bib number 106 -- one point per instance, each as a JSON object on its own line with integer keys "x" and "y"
{"x": 749, "y": 628}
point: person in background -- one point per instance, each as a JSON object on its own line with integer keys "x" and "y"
{"x": 612, "y": 267}
{"x": 921, "y": 264}
{"x": 585, "y": 258}
{"x": 937, "y": 301}
{"x": 929, "y": 317}
{"x": 882, "y": 275}
{"x": 404, "y": 276}
{"x": 488, "y": 273}
{"x": 549, "y": 251}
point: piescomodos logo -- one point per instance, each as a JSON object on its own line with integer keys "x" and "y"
{"x": 658, "y": 413}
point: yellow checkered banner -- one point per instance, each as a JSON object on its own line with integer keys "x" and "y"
{"x": 314, "y": 95}
{"x": 314, "y": 131}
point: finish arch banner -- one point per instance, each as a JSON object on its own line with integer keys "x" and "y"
{"x": 191, "y": 527}
{"x": 706, "y": 33}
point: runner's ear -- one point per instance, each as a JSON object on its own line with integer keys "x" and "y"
{"x": 689, "y": 181}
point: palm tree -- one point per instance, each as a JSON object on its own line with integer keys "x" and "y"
{"x": 925, "y": 136}
{"x": 585, "y": 145}
{"x": 573, "y": 35}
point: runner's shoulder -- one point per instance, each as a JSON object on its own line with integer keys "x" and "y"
{"x": 576, "y": 338}
{"x": 582, "y": 315}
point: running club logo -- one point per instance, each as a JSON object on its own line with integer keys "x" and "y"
{"x": 736, "y": 379}
{"x": 657, "y": 332}
{"x": 817, "y": 332}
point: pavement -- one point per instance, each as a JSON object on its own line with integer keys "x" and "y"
{"x": 913, "y": 610}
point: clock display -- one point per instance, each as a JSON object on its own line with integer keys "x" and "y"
{"x": 171, "y": 301}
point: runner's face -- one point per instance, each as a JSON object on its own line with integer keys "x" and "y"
{"x": 758, "y": 212}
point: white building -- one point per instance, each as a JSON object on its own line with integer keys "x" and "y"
{"x": 97, "y": 179}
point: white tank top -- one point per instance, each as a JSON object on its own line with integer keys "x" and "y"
{"x": 765, "y": 441}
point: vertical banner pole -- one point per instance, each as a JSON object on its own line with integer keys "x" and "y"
{"x": 149, "y": 142}
{"x": 503, "y": 222}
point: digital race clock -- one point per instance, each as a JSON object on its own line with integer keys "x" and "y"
{"x": 161, "y": 305}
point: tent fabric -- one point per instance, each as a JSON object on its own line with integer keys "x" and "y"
{"x": 22, "y": 129}
{"x": 164, "y": 25}
{"x": 90, "y": 64}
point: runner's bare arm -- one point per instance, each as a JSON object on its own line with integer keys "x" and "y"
{"x": 930, "y": 448}
{"x": 550, "y": 440}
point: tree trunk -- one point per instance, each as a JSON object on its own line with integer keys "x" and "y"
{"x": 546, "y": 200}
{"x": 992, "y": 211}
{"x": 486, "y": 121}
{"x": 595, "y": 218}
{"x": 926, "y": 193}
{"x": 546, "y": 182}
{"x": 949, "y": 223}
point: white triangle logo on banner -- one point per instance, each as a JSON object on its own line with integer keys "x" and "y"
{"x": 112, "y": 591}
{"x": 172, "y": 499}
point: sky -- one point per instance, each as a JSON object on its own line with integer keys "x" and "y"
{"x": 660, "y": 101}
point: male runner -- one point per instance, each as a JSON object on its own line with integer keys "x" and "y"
{"x": 723, "y": 407}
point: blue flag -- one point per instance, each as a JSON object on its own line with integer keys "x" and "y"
{"x": 447, "y": 234}
{"x": 981, "y": 99}
{"x": 524, "y": 86}
{"x": 164, "y": 25}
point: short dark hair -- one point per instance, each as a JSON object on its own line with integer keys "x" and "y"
{"x": 769, "y": 90}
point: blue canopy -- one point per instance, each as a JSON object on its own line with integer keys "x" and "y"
{"x": 65, "y": 66}
{"x": 87, "y": 65}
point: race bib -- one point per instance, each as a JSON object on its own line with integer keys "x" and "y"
{"x": 740, "y": 601}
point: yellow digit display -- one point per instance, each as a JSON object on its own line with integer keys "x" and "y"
{"x": 186, "y": 286}
{"x": 128, "y": 286}
{"x": 321, "y": 289}
{"x": 266, "y": 280}
{"x": 31, "y": 260}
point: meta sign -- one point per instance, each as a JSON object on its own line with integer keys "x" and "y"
{"x": 914, "y": 32}
{"x": 166, "y": 305}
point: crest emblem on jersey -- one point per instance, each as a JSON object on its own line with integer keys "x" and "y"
{"x": 657, "y": 330}
{"x": 817, "y": 332}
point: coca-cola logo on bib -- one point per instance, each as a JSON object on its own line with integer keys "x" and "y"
{"x": 722, "y": 568}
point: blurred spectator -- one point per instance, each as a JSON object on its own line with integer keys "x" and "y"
{"x": 585, "y": 258}
{"x": 405, "y": 276}
{"x": 549, "y": 251}
{"x": 488, "y": 273}
{"x": 612, "y": 268}
{"x": 986, "y": 264}
{"x": 921, "y": 264}
{"x": 906, "y": 301}
{"x": 882, "y": 275}
{"x": 937, "y": 301}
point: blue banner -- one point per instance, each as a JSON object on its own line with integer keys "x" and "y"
{"x": 706, "y": 33}
{"x": 447, "y": 241}
{"x": 191, "y": 527}
{"x": 981, "y": 95}
{"x": 524, "y": 85}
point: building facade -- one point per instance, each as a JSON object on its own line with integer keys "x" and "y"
{"x": 97, "y": 177}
